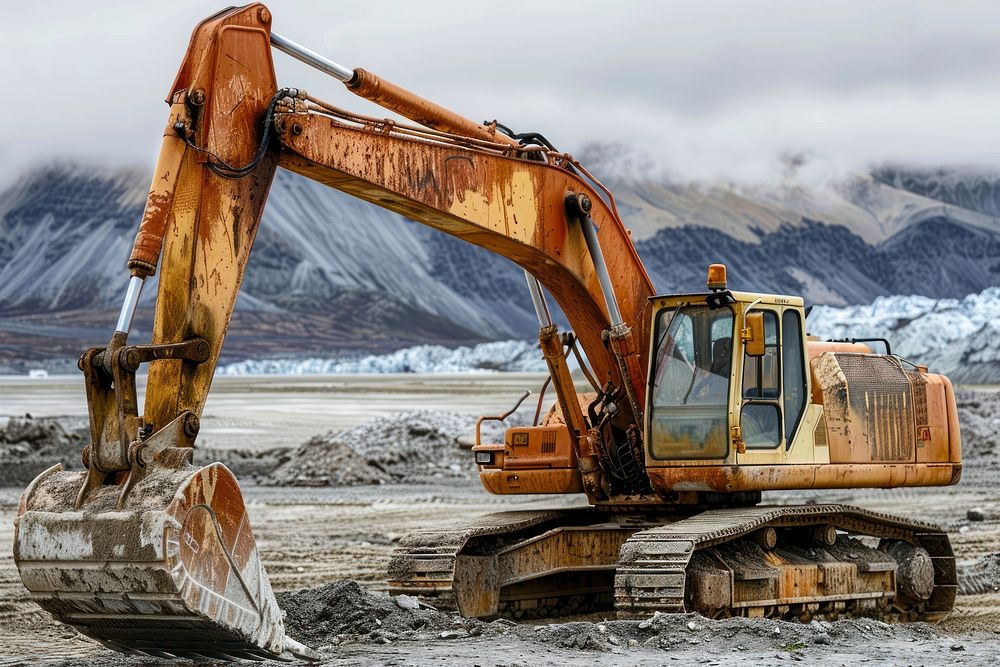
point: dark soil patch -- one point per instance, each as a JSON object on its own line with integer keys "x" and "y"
{"x": 28, "y": 446}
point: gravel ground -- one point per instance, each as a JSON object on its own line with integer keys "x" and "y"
{"x": 326, "y": 548}
{"x": 344, "y": 617}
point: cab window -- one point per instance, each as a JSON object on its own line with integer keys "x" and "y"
{"x": 760, "y": 374}
{"x": 760, "y": 418}
{"x": 761, "y": 425}
{"x": 689, "y": 384}
{"x": 793, "y": 376}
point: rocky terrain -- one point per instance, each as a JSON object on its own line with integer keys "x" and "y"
{"x": 29, "y": 446}
{"x": 326, "y": 540}
{"x": 341, "y": 615}
{"x": 331, "y": 275}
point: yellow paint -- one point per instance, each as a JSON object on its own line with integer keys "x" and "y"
{"x": 506, "y": 208}
{"x": 802, "y": 449}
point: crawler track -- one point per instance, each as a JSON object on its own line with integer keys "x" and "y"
{"x": 537, "y": 563}
{"x": 655, "y": 572}
{"x": 558, "y": 562}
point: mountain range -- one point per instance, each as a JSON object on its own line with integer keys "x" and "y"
{"x": 330, "y": 274}
{"x": 959, "y": 338}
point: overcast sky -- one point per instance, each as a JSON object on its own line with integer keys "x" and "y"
{"x": 708, "y": 89}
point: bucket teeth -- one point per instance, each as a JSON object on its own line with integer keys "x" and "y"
{"x": 174, "y": 573}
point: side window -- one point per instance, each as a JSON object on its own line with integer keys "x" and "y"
{"x": 761, "y": 378}
{"x": 793, "y": 371}
{"x": 760, "y": 418}
{"x": 761, "y": 425}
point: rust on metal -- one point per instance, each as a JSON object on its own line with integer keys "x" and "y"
{"x": 510, "y": 206}
{"x": 877, "y": 411}
{"x": 149, "y": 239}
{"x": 712, "y": 563}
{"x": 175, "y": 570}
{"x": 420, "y": 110}
{"x": 212, "y": 221}
{"x": 730, "y": 478}
{"x": 510, "y": 561}
{"x": 142, "y": 551}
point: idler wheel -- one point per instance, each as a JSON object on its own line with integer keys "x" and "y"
{"x": 915, "y": 571}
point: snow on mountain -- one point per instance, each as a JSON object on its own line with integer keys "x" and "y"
{"x": 835, "y": 241}
{"x": 331, "y": 275}
{"x": 871, "y": 206}
{"x": 66, "y": 232}
{"x": 315, "y": 242}
{"x": 510, "y": 355}
{"x": 60, "y": 227}
{"x": 957, "y": 337}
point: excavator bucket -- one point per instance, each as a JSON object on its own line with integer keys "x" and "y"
{"x": 174, "y": 572}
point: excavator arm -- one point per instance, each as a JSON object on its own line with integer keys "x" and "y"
{"x": 186, "y": 577}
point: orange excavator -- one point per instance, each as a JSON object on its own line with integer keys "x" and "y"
{"x": 699, "y": 401}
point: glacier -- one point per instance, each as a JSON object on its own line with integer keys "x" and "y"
{"x": 957, "y": 337}
{"x": 509, "y": 355}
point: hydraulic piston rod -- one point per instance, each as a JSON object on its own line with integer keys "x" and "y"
{"x": 579, "y": 206}
{"x": 538, "y": 301}
{"x": 311, "y": 58}
{"x": 395, "y": 98}
{"x": 127, "y": 313}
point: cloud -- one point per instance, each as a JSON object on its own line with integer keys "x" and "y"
{"x": 711, "y": 90}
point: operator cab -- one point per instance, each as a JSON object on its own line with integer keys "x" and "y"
{"x": 727, "y": 376}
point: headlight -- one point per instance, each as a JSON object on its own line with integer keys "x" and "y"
{"x": 484, "y": 458}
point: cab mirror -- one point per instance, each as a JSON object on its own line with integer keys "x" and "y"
{"x": 753, "y": 334}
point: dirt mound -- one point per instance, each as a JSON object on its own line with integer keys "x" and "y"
{"x": 28, "y": 446}
{"x": 322, "y": 462}
{"x": 345, "y": 612}
{"x": 416, "y": 446}
{"x": 981, "y": 576}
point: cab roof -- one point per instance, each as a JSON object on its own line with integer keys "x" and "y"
{"x": 741, "y": 297}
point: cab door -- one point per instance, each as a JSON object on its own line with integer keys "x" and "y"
{"x": 773, "y": 390}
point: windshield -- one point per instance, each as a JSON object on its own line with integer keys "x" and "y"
{"x": 690, "y": 385}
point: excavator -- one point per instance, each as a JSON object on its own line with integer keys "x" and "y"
{"x": 698, "y": 402}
